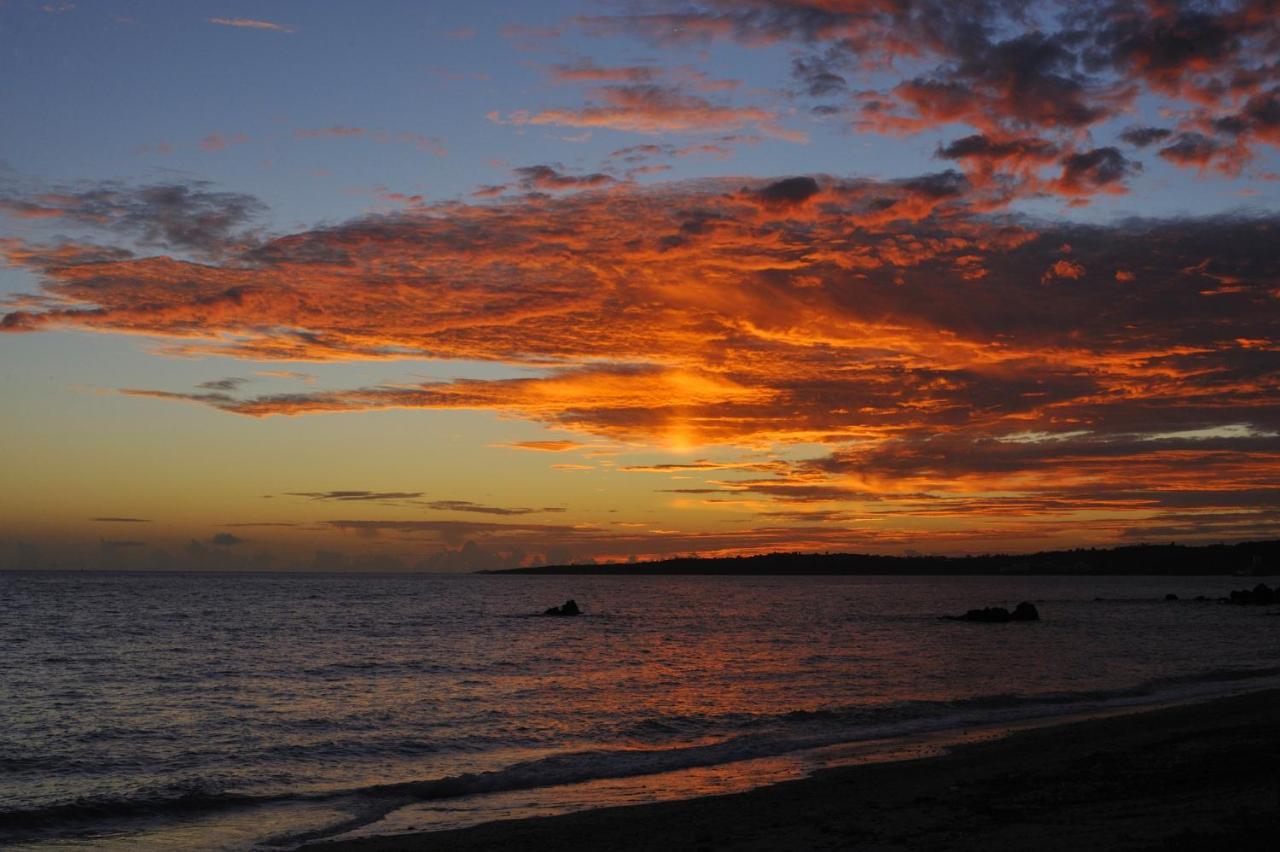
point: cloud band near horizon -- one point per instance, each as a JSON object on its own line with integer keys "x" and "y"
{"x": 954, "y": 360}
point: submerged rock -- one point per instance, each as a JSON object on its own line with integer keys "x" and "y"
{"x": 986, "y": 615}
{"x": 569, "y": 607}
{"x": 1261, "y": 595}
{"x": 1025, "y": 611}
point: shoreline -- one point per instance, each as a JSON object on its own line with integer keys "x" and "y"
{"x": 1184, "y": 775}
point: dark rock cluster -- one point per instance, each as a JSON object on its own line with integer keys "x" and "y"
{"x": 569, "y": 607}
{"x": 1024, "y": 611}
{"x": 1261, "y": 594}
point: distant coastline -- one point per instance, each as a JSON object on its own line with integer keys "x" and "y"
{"x": 1251, "y": 558}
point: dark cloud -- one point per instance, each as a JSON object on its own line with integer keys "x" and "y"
{"x": 983, "y": 147}
{"x": 1144, "y": 136}
{"x": 411, "y": 498}
{"x": 812, "y": 516}
{"x": 787, "y": 192}
{"x": 1231, "y": 125}
{"x": 937, "y": 186}
{"x": 480, "y": 508}
{"x": 818, "y": 76}
{"x": 178, "y": 216}
{"x": 1032, "y": 78}
{"x": 356, "y": 496}
{"x": 1263, "y": 112}
{"x": 547, "y": 178}
{"x": 212, "y": 398}
{"x": 1191, "y": 149}
{"x": 113, "y": 520}
{"x": 1002, "y": 68}
{"x": 225, "y": 540}
{"x": 1175, "y": 44}
{"x": 1089, "y": 171}
{"x": 228, "y": 385}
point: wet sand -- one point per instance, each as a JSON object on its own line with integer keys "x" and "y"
{"x": 1192, "y": 777}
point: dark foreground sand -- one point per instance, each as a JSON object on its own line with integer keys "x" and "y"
{"x": 1194, "y": 777}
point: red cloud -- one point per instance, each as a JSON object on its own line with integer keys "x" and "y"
{"x": 804, "y": 309}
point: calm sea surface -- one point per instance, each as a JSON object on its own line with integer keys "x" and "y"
{"x": 243, "y": 711}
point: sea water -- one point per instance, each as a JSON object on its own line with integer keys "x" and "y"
{"x": 224, "y": 711}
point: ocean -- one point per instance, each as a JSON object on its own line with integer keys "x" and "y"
{"x": 221, "y": 711}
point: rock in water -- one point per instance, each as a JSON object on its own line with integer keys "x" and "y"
{"x": 570, "y": 607}
{"x": 1261, "y": 594}
{"x": 1025, "y": 611}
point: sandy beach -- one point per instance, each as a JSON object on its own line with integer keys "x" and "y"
{"x": 1190, "y": 777}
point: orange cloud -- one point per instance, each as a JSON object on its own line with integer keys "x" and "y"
{"x": 545, "y": 446}
{"x": 649, "y": 108}
{"x": 804, "y": 310}
{"x": 1064, "y": 269}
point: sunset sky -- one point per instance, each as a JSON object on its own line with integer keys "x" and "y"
{"x": 453, "y": 285}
